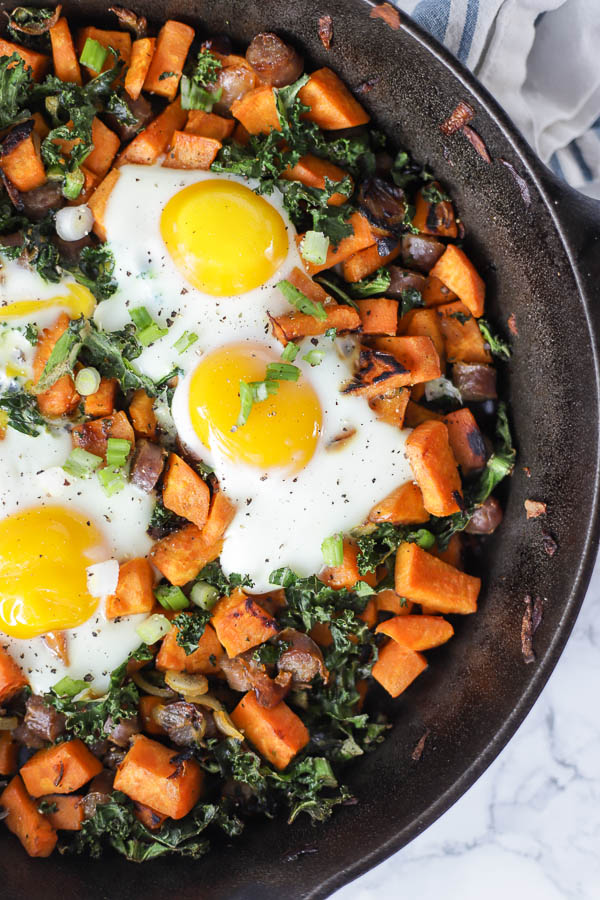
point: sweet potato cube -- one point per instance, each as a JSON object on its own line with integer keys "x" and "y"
{"x": 367, "y": 261}
{"x": 205, "y": 659}
{"x": 150, "y": 774}
{"x": 31, "y": 827}
{"x": 184, "y": 492}
{"x": 209, "y": 125}
{"x": 458, "y": 273}
{"x": 61, "y": 398}
{"x": 60, "y": 769}
{"x": 434, "y": 467}
{"x": 390, "y": 601}
{"x": 12, "y": 678}
{"x": 422, "y": 577}
{"x": 332, "y": 106}
{"x": 142, "y": 52}
{"x": 172, "y": 45}
{"x": 362, "y": 237}
{"x": 93, "y": 435}
{"x": 435, "y": 292}
{"x": 147, "y": 705}
{"x": 181, "y": 555}
{"x": 397, "y": 667}
{"x": 417, "y": 632}
{"x": 404, "y": 506}
{"x": 425, "y": 323}
{"x": 150, "y": 143}
{"x": 462, "y": 338}
{"x": 452, "y": 554}
{"x": 99, "y": 201}
{"x": 378, "y": 315}
{"x": 346, "y": 575}
{"x": 102, "y": 402}
{"x": 66, "y": 62}
{"x": 391, "y": 406}
{"x": 240, "y": 623}
{"x": 39, "y": 63}
{"x": 257, "y": 111}
{"x": 143, "y": 417}
{"x": 106, "y": 144}
{"x": 191, "y": 151}
{"x": 434, "y": 218}
{"x": 220, "y": 514}
{"x": 134, "y": 592}
{"x": 312, "y": 171}
{"x": 68, "y": 815}
{"x": 466, "y": 440}
{"x": 416, "y": 414}
{"x": 416, "y": 354}
{"x": 8, "y": 753}
{"x": 152, "y": 819}
{"x": 277, "y": 733}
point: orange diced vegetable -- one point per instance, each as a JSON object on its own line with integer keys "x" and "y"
{"x": 240, "y": 623}
{"x": 106, "y": 143}
{"x": 369, "y": 613}
{"x": 434, "y": 467}
{"x": 277, "y": 733}
{"x": 191, "y": 151}
{"x": 452, "y": 554}
{"x": 424, "y": 578}
{"x": 204, "y": 659}
{"x": 391, "y": 407}
{"x": 458, "y": 273}
{"x": 312, "y": 171}
{"x": 378, "y": 315}
{"x": 60, "y": 769}
{"x": 209, "y": 125}
{"x": 21, "y": 162}
{"x": 134, "y": 592}
{"x": 435, "y": 292}
{"x": 143, "y": 417}
{"x": 367, "y": 261}
{"x": 404, "y": 506}
{"x": 152, "y": 819}
{"x": 425, "y": 323}
{"x": 102, "y": 402}
{"x": 147, "y": 705}
{"x": 390, "y": 601}
{"x": 98, "y": 201}
{"x": 37, "y": 62}
{"x": 69, "y": 814}
{"x": 361, "y": 238}
{"x": 8, "y": 753}
{"x": 150, "y": 143}
{"x": 142, "y": 52}
{"x": 66, "y": 63}
{"x": 463, "y": 340}
{"x": 40, "y": 127}
{"x": 396, "y": 668}
{"x": 61, "y": 398}
{"x": 332, "y": 106}
{"x": 181, "y": 555}
{"x": 172, "y": 46}
{"x": 321, "y": 634}
{"x": 240, "y": 135}
{"x": 435, "y": 218}
{"x": 416, "y": 354}
{"x": 31, "y": 827}
{"x": 93, "y": 435}
{"x": 417, "y": 632}
{"x": 416, "y": 414}
{"x": 346, "y": 575}
{"x": 56, "y": 641}
{"x": 12, "y": 679}
{"x": 184, "y": 492}
{"x": 118, "y": 40}
{"x": 257, "y": 110}
{"x": 150, "y": 775}
{"x": 298, "y": 324}
{"x": 466, "y": 440}
{"x": 220, "y": 514}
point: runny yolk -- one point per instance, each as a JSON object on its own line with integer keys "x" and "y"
{"x": 77, "y": 300}
{"x": 281, "y": 431}
{"x": 44, "y": 553}
{"x": 223, "y": 238}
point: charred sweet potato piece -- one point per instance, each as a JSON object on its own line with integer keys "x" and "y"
{"x": 134, "y": 592}
{"x": 466, "y": 440}
{"x": 181, "y": 555}
{"x": 346, "y": 575}
{"x": 422, "y": 577}
{"x": 93, "y": 436}
{"x": 463, "y": 340}
{"x": 415, "y": 354}
{"x": 61, "y": 398}
{"x": 378, "y": 315}
{"x": 277, "y": 733}
{"x": 417, "y": 632}
{"x": 391, "y": 406}
{"x": 241, "y": 623}
{"x": 404, "y": 506}
{"x": 434, "y": 467}
{"x": 12, "y": 679}
{"x": 458, "y": 273}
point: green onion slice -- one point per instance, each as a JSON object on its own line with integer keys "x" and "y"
{"x": 290, "y": 352}
{"x": 69, "y": 687}
{"x": 87, "y": 381}
{"x": 301, "y": 301}
{"x": 332, "y": 549}
{"x": 171, "y": 597}
{"x": 314, "y": 357}
{"x": 112, "y": 480}
{"x": 185, "y": 341}
{"x": 153, "y": 628}
{"x": 117, "y": 451}
{"x": 93, "y": 55}
{"x": 204, "y": 595}
{"x": 80, "y": 463}
{"x": 282, "y": 372}
{"x": 314, "y": 247}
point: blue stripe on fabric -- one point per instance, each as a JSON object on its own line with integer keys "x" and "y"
{"x": 556, "y": 166}
{"x": 468, "y": 30}
{"x": 578, "y": 156}
{"x": 433, "y": 15}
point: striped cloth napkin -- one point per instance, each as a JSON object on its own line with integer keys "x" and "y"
{"x": 541, "y": 60}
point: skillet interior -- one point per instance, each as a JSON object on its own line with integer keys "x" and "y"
{"x": 477, "y": 688}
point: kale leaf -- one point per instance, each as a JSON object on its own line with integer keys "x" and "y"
{"x": 23, "y": 412}
{"x": 374, "y": 284}
{"x": 214, "y": 575}
{"x": 163, "y": 522}
{"x": 15, "y": 82}
{"x": 377, "y": 544}
{"x": 190, "y": 628}
{"x": 302, "y": 202}
{"x": 498, "y": 347}
{"x": 95, "y": 271}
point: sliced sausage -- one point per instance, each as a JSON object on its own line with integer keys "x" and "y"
{"x": 275, "y": 62}
{"x": 148, "y": 463}
{"x": 420, "y": 251}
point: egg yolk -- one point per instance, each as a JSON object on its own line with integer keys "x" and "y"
{"x": 223, "y": 238}
{"x": 44, "y": 553}
{"x": 77, "y": 301}
{"x": 281, "y": 431}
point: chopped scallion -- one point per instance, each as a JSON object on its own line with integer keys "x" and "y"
{"x": 282, "y": 372}
{"x": 290, "y": 352}
{"x": 117, "y": 451}
{"x": 80, "y": 463}
{"x": 153, "y": 628}
{"x": 332, "y": 549}
{"x": 314, "y": 247}
{"x": 93, "y": 55}
{"x": 73, "y": 184}
{"x": 87, "y": 381}
{"x": 69, "y": 687}
{"x": 194, "y": 96}
{"x": 263, "y": 389}
{"x": 204, "y": 595}
{"x": 111, "y": 479}
{"x": 150, "y": 334}
{"x": 171, "y": 597}
{"x": 301, "y": 301}
{"x": 185, "y": 341}
{"x": 140, "y": 317}
{"x": 314, "y": 357}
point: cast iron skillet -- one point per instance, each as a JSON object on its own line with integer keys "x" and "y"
{"x": 541, "y": 262}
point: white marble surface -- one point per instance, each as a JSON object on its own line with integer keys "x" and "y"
{"x": 529, "y": 829}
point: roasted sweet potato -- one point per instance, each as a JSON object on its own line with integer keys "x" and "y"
{"x": 240, "y": 623}
{"x": 184, "y": 492}
{"x": 142, "y": 52}
{"x": 277, "y": 733}
{"x": 99, "y": 200}
{"x": 422, "y": 577}
{"x": 378, "y": 315}
{"x": 209, "y": 125}
{"x": 118, "y": 40}
{"x": 458, "y": 273}
{"x": 64, "y": 58}
{"x": 204, "y": 659}
{"x": 150, "y": 143}
{"x": 362, "y": 237}
{"x": 434, "y": 467}
{"x": 332, "y": 106}
{"x": 102, "y": 402}
{"x": 181, "y": 555}
{"x": 256, "y": 110}
{"x": 466, "y": 440}
{"x": 39, "y": 63}
{"x": 417, "y": 632}
{"x": 452, "y": 554}
{"x": 106, "y": 143}
{"x": 397, "y": 667}
{"x": 134, "y": 592}
{"x": 146, "y": 706}
{"x": 12, "y": 679}
{"x": 20, "y": 158}
{"x": 151, "y": 818}
{"x": 377, "y": 373}
{"x": 31, "y": 827}
{"x": 435, "y": 292}
{"x": 69, "y": 812}
{"x": 416, "y": 414}
{"x": 143, "y": 417}
{"x": 8, "y": 753}
{"x": 389, "y": 601}
{"x": 346, "y": 575}
{"x": 57, "y": 643}
{"x": 60, "y": 769}
{"x": 404, "y": 506}
{"x": 312, "y": 171}
{"x": 365, "y": 262}
{"x": 172, "y": 45}
{"x": 93, "y": 435}
{"x": 297, "y": 324}
{"x": 191, "y": 151}
{"x": 435, "y": 218}
{"x": 462, "y": 338}
{"x": 151, "y": 774}
{"x": 391, "y": 407}
{"x": 220, "y": 514}
{"x": 425, "y": 323}
{"x": 417, "y": 356}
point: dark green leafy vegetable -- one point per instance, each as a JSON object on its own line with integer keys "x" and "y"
{"x": 23, "y": 412}
{"x": 411, "y": 299}
{"x": 434, "y": 194}
{"x": 29, "y": 26}
{"x": 190, "y": 628}
{"x": 378, "y": 283}
{"x": 15, "y": 82}
{"x": 163, "y": 521}
{"x": 377, "y": 544}
{"x": 214, "y": 575}
{"x": 302, "y": 202}
{"x": 498, "y": 346}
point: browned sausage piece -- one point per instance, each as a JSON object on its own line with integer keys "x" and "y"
{"x": 420, "y": 251}
{"x": 475, "y": 381}
{"x": 274, "y": 61}
{"x": 234, "y": 81}
{"x": 148, "y": 465}
{"x": 486, "y": 519}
